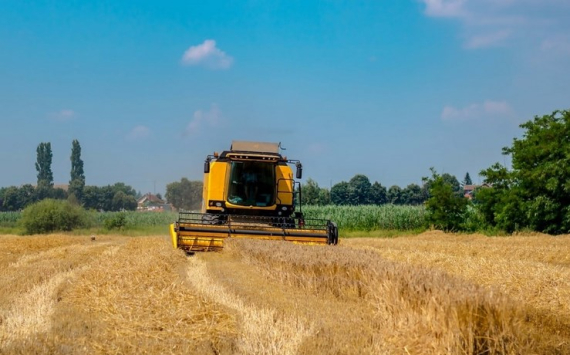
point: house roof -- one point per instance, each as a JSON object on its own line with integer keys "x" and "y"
{"x": 150, "y": 198}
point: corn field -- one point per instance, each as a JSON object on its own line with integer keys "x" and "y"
{"x": 348, "y": 218}
{"x": 9, "y": 219}
{"x": 370, "y": 217}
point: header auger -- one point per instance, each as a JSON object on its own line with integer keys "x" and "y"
{"x": 249, "y": 192}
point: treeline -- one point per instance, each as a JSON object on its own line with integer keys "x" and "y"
{"x": 533, "y": 195}
{"x": 115, "y": 197}
{"x": 360, "y": 191}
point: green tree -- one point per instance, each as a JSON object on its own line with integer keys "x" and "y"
{"x": 395, "y": 195}
{"x": 339, "y": 193}
{"x": 43, "y": 165}
{"x": 11, "y": 199}
{"x": 122, "y": 201}
{"x": 77, "y": 181}
{"x": 185, "y": 194}
{"x": 445, "y": 209}
{"x": 27, "y": 195}
{"x": 378, "y": 194}
{"x": 359, "y": 190}
{"x": 16, "y": 198}
{"x": 115, "y": 197}
{"x": 455, "y": 185}
{"x": 535, "y": 194}
{"x": 324, "y": 196}
{"x": 310, "y": 193}
{"x": 91, "y": 198}
{"x": 412, "y": 195}
{"x": 467, "y": 180}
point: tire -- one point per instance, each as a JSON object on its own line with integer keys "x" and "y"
{"x": 332, "y": 238}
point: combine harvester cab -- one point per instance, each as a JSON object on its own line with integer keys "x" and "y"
{"x": 249, "y": 192}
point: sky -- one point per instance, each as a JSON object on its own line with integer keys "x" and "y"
{"x": 383, "y": 88}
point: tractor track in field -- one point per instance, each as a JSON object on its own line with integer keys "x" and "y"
{"x": 31, "y": 311}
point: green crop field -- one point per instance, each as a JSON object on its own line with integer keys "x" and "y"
{"x": 348, "y": 218}
{"x": 370, "y": 217}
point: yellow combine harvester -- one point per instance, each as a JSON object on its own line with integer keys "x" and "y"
{"x": 249, "y": 192}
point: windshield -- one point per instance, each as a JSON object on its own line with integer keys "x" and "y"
{"x": 252, "y": 184}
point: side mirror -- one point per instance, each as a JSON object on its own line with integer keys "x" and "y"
{"x": 299, "y": 172}
{"x": 207, "y": 166}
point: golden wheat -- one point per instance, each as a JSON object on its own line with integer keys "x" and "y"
{"x": 434, "y": 293}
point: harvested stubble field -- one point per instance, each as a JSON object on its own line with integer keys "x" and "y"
{"x": 434, "y": 293}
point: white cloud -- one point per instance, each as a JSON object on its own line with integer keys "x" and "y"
{"x": 488, "y": 40}
{"x": 138, "y": 133}
{"x": 445, "y": 8}
{"x": 208, "y": 55}
{"x": 63, "y": 115}
{"x": 487, "y": 109}
{"x": 210, "y": 118}
{"x": 491, "y": 23}
{"x": 556, "y": 44}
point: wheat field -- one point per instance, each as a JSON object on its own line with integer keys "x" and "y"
{"x": 433, "y": 293}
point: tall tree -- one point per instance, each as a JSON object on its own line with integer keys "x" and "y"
{"x": 412, "y": 195}
{"x": 339, "y": 193}
{"x": 359, "y": 190}
{"x": 455, "y": 185}
{"x": 43, "y": 165}
{"x": 378, "y": 194}
{"x": 467, "y": 180}
{"x": 44, "y": 188}
{"x": 310, "y": 193}
{"x": 185, "y": 194}
{"x": 536, "y": 192}
{"x": 77, "y": 181}
{"x": 395, "y": 195}
{"x": 445, "y": 208}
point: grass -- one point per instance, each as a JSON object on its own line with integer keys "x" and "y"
{"x": 388, "y": 233}
{"x": 136, "y": 223}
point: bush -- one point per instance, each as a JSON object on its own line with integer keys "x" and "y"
{"x": 116, "y": 221}
{"x": 52, "y": 215}
{"x": 445, "y": 207}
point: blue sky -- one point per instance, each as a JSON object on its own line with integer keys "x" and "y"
{"x": 382, "y": 88}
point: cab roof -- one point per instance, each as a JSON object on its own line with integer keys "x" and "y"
{"x": 255, "y": 147}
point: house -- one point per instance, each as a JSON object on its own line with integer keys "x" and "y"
{"x": 469, "y": 189}
{"x": 150, "y": 202}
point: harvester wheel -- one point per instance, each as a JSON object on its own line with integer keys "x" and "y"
{"x": 332, "y": 234}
